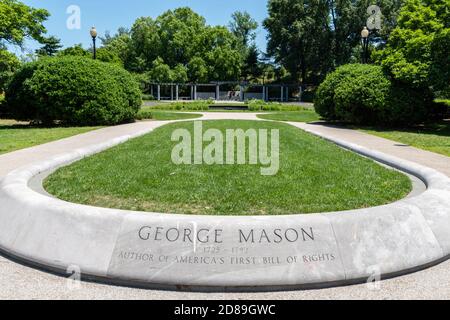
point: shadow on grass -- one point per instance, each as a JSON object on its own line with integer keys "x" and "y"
{"x": 11, "y": 125}
{"x": 440, "y": 128}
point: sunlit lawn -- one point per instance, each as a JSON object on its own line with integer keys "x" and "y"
{"x": 432, "y": 137}
{"x": 314, "y": 176}
{"x": 15, "y": 135}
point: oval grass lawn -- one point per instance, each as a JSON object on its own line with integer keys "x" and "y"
{"x": 314, "y": 176}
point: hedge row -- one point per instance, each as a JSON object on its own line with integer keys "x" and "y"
{"x": 363, "y": 94}
{"x": 73, "y": 90}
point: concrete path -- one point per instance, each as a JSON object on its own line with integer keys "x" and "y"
{"x": 22, "y": 282}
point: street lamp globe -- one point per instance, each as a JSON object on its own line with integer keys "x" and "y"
{"x": 93, "y": 32}
{"x": 365, "y": 33}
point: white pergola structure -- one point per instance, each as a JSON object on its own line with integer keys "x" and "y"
{"x": 196, "y": 91}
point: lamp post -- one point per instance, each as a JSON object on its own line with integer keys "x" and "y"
{"x": 93, "y": 33}
{"x": 365, "y": 39}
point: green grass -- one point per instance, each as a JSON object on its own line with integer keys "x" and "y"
{"x": 299, "y": 116}
{"x": 431, "y": 137}
{"x": 145, "y": 113}
{"x": 15, "y": 136}
{"x": 314, "y": 176}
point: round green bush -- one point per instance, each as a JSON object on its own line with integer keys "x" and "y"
{"x": 363, "y": 94}
{"x": 324, "y": 102}
{"x": 73, "y": 90}
{"x": 19, "y": 99}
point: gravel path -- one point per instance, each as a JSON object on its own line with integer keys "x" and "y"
{"x": 18, "y": 281}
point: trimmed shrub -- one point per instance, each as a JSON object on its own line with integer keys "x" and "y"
{"x": 363, "y": 94}
{"x": 19, "y": 98}
{"x": 324, "y": 100}
{"x": 73, "y": 90}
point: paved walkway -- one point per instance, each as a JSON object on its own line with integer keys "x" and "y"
{"x": 21, "y": 282}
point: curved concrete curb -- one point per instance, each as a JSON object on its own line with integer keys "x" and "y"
{"x": 149, "y": 249}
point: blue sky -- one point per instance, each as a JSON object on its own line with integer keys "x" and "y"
{"x": 110, "y": 15}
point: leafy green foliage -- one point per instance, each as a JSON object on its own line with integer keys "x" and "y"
{"x": 197, "y": 70}
{"x": 364, "y": 94}
{"x": 418, "y": 51}
{"x": 440, "y": 66}
{"x": 160, "y": 72}
{"x": 9, "y": 63}
{"x": 75, "y": 51}
{"x": 104, "y": 54}
{"x": 178, "y": 46}
{"x": 73, "y": 90}
{"x": 19, "y": 97}
{"x": 243, "y": 26}
{"x": 252, "y": 69}
{"x": 50, "y": 48}
{"x": 145, "y": 114}
{"x": 19, "y": 21}
{"x": 312, "y": 37}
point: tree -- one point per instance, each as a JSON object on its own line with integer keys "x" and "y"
{"x": 179, "y": 43}
{"x": 77, "y": 50}
{"x": 106, "y": 55}
{"x": 297, "y": 34}
{"x": 179, "y": 33}
{"x": 243, "y": 26}
{"x": 108, "y": 38}
{"x": 179, "y": 74}
{"x": 197, "y": 70}
{"x": 417, "y": 53}
{"x": 50, "y": 48}
{"x": 252, "y": 68}
{"x": 223, "y": 58}
{"x": 312, "y": 37}
{"x": 121, "y": 46}
{"x": 9, "y": 63}
{"x": 440, "y": 65}
{"x": 19, "y": 21}
{"x": 160, "y": 72}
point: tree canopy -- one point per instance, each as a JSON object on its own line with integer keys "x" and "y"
{"x": 243, "y": 26}
{"x": 19, "y": 21}
{"x": 178, "y": 41}
{"x": 312, "y": 37}
{"x": 418, "y": 51}
{"x": 8, "y": 65}
{"x": 51, "y": 46}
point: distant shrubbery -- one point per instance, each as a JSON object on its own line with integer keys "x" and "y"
{"x": 253, "y": 105}
{"x": 364, "y": 94}
{"x": 73, "y": 90}
{"x": 261, "y": 105}
{"x": 148, "y": 97}
{"x": 2, "y": 105}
